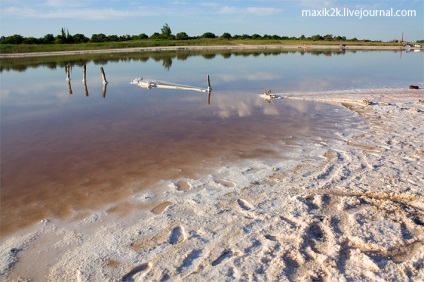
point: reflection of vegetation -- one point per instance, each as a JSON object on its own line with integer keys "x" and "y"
{"x": 209, "y": 56}
{"x": 166, "y": 57}
{"x": 318, "y": 53}
{"x": 167, "y": 62}
{"x": 226, "y": 55}
{"x": 182, "y": 57}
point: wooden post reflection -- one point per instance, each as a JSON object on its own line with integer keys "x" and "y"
{"x": 69, "y": 86}
{"x": 209, "y": 84}
{"x": 209, "y": 90}
{"x": 84, "y": 79}
{"x": 104, "y": 90}
{"x": 86, "y": 89}
{"x": 84, "y": 73}
{"x": 104, "y": 82}
{"x": 68, "y": 72}
{"x": 68, "y": 77}
{"x": 103, "y": 75}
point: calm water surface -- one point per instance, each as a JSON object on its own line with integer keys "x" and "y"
{"x": 66, "y": 146}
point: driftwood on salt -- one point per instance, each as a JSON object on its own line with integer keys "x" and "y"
{"x": 151, "y": 84}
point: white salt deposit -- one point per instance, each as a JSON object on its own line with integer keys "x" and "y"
{"x": 349, "y": 209}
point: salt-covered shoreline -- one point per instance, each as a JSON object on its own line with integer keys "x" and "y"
{"x": 352, "y": 209}
{"x": 203, "y": 48}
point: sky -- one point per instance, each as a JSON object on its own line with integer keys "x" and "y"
{"x": 31, "y": 18}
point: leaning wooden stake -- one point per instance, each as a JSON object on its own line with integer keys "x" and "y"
{"x": 103, "y": 75}
{"x": 209, "y": 84}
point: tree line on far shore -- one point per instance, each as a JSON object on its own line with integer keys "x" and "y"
{"x": 66, "y": 38}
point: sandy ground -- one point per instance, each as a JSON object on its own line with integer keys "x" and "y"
{"x": 218, "y": 47}
{"x": 350, "y": 209}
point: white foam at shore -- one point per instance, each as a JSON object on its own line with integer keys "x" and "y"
{"x": 347, "y": 209}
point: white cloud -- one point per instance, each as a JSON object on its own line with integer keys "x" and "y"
{"x": 228, "y": 10}
{"x": 64, "y": 3}
{"x": 176, "y": 2}
{"x": 318, "y": 3}
{"x": 257, "y": 76}
{"x": 53, "y": 9}
{"x": 209, "y": 4}
{"x": 314, "y": 3}
{"x": 70, "y": 13}
{"x": 262, "y": 11}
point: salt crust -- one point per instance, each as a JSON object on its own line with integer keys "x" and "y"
{"x": 349, "y": 209}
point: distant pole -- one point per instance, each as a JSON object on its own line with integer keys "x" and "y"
{"x": 103, "y": 75}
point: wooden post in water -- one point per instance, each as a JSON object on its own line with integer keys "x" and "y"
{"x": 84, "y": 79}
{"x": 68, "y": 72}
{"x": 103, "y": 75}
{"x": 209, "y": 84}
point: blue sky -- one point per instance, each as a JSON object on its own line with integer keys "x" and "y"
{"x": 281, "y": 17}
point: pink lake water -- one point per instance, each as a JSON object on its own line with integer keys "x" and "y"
{"x": 66, "y": 146}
